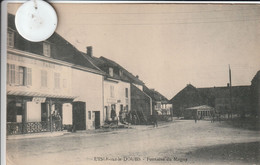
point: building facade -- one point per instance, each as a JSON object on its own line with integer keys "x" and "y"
{"x": 219, "y": 98}
{"x": 116, "y": 89}
{"x": 43, "y": 85}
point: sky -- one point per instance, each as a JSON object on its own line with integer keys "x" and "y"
{"x": 168, "y": 45}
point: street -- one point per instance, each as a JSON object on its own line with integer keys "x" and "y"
{"x": 170, "y": 143}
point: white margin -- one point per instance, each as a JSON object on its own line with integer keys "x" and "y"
{"x": 3, "y": 81}
{"x": 4, "y": 48}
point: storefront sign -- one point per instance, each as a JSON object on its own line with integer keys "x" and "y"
{"x": 18, "y": 104}
{"x": 39, "y": 99}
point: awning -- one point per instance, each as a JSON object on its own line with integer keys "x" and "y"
{"x": 202, "y": 107}
{"x": 37, "y": 94}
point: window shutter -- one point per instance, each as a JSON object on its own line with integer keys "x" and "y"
{"x": 25, "y": 76}
{"x": 29, "y": 76}
{"x": 16, "y": 75}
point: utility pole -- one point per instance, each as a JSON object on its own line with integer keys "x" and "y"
{"x": 230, "y": 91}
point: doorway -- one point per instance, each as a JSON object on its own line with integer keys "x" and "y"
{"x": 79, "y": 115}
{"x": 97, "y": 119}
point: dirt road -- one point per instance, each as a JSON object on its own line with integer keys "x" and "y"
{"x": 171, "y": 143}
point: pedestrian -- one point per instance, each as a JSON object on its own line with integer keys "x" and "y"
{"x": 135, "y": 119}
{"x": 213, "y": 117}
{"x": 121, "y": 116}
{"x": 113, "y": 114}
{"x": 155, "y": 124}
{"x": 195, "y": 117}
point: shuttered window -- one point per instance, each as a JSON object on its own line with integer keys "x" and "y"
{"x": 10, "y": 38}
{"x": 112, "y": 92}
{"x": 46, "y": 49}
{"x": 57, "y": 80}
{"x": 10, "y": 73}
{"x": 126, "y": 92}
{"x": 19, "y": 75}
{"x": 44, "y": 80}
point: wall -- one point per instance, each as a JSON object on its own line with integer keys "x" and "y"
{"x": 119, "y": 96}
{"x": 37, "y": 65}
{"x": 88, "y": 87}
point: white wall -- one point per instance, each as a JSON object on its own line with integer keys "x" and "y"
{"x": 119, "y": 95}
{"x": 37, "y": 66}
{"x": 88, "y": 88}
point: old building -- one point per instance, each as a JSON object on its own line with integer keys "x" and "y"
{"x": 255, "y": 95}
{"x": 116, "y": 89}
{"x": 187, "y": 97}
{"x": 218, "y": 97}
{"x": 235, "y": 103}
{"x": 160, "y": 103}
{"x": 144, "y": 101}
{"x": 124, "y": 92}
{"x": 43, "y": 84}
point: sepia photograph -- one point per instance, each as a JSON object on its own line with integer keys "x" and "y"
{"x": 131, "y": 83}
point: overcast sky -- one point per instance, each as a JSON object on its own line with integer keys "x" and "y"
{"x": 169, "y": 45}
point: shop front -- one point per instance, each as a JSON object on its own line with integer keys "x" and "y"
{"x": 33, "y": 113}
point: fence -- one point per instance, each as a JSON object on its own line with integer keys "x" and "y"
{"x": 31, "y": 127}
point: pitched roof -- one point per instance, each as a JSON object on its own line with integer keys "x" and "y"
{"x": 257, "y": 75}
{"x": 103, "y": 62}
{"x": 104, "y": 65}
{"x": 224, "y": 92}
{"x": 206, "y": 94}
{"x": 155, "y": 95}
{"x": 184, "y": 93}
{"x": 61, "y": 49}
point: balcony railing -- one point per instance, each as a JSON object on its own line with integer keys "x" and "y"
{"x": 32, "y": 127}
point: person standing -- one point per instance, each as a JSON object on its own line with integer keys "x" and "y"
{"x": 113, "y": 113}
{"x": 155, "y": 124}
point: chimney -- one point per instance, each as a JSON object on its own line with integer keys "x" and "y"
{"x": 89, "y": 51}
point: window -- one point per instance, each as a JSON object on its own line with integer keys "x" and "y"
{"x": 10, "y": 38}
{"x": 57, "y": 80}
{"x": 46, "y": 49}
{"x": 29, "y": 76}
{"x": 120, "y": 73}
{"x": 22, "y": 76}
{"x": 89, "y": 115}
{"x": 19, "y": 75}
{"x": 10, "y": 73}
{"x": 112, "y": 92}
{"x": 126, "y": 92}
{"x": 44, "y": 81}
{"x": 64, "y": 83}
{"x": 111, "y": 72}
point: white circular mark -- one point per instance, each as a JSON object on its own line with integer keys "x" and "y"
{"x": 36, "y": 20}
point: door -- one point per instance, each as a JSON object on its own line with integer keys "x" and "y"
{"x": 67, "y": 114}
{"x": 97, "y": 119}
{"x": 79, "y": 115}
